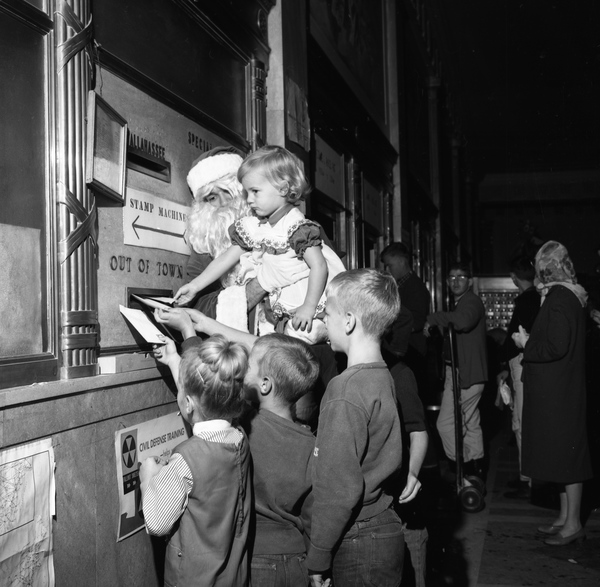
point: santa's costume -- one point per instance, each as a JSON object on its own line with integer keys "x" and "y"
{"x": 207, "y": 232}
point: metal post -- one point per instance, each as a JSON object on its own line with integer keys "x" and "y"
{"x": 77, "y": 220}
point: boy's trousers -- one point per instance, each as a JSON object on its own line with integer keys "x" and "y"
{"x": 371, "y": 553}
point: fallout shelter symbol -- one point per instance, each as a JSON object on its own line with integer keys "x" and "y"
{"x": 129, "y": 451}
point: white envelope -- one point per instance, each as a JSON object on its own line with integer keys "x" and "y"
{"x": 142, "y": 324}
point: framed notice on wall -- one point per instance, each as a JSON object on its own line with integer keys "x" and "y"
{"x": 372, "y": 206}
{"x": 329, "y": 171}
{"x": 106, "y": 150}
{"x": 341, "y": 30}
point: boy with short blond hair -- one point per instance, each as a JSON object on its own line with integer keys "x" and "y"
{"x": 281, "y": 370}
{"x": 355, "y": 534}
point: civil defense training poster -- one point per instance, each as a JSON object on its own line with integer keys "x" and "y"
{"x": 154, "y": 438}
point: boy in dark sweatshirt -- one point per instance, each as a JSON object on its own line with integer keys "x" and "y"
{"x": 281, "y": 370}
{"x": 355, "y": 534}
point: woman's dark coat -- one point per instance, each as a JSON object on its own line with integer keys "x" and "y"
{"x": 555, "y": 446}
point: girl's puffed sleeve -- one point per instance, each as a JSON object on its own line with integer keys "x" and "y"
{"x": 239, "y": 235}
{"x": 307, "y": 235}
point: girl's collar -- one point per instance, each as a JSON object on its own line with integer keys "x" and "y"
{"x": 278, "y": 215}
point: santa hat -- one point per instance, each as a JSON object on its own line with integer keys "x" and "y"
{"x": 213, "y": 165}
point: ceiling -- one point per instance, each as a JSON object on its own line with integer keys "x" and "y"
{"x": 524, "y": 80}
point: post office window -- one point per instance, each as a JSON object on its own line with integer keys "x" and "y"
{"x": 26, "y": 275}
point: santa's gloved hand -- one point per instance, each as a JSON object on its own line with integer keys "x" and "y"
{"x": 185, "y": 294}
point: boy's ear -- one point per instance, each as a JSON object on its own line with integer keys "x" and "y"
{"x": 266, "y": 386}
{"x": 350, "y": 322}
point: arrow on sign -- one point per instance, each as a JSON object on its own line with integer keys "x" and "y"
{"x": 135, "y": 225}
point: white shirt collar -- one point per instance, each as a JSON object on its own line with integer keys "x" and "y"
{"x": 210, "y": 426}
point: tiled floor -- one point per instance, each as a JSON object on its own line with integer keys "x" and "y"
{"x": 499, "y": 546}
{"x": 514, "y": 554}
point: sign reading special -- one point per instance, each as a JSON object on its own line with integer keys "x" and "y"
{"x": 155, "y": 438}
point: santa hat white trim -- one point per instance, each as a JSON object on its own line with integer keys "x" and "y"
{"x": 211, "y": 169}
{"x": 232, "y": 307}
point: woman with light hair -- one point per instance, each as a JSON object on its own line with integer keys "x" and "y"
{"x": 554, "y": 442}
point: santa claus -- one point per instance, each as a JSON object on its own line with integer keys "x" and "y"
{"x": 218, "y": 202}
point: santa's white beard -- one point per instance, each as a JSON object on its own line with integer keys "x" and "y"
{"x": 208, "y": 226}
